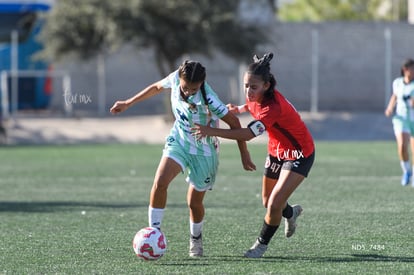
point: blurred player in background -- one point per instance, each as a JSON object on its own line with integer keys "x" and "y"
{"x": 192, "y": 101}
{"x": 402, "y": 101}
{"x": 291, "y": 148}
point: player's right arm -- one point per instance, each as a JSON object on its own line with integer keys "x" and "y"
{"x": 237, "y": 109}
{"x": 243, "y": 134}
{"x": 391, "y": 105}
{"x": 254, "y": 129}
{"x": 122, "y": 105}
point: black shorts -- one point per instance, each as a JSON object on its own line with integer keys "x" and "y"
{"x": 301, "y": 166}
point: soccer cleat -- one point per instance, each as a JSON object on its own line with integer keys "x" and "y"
{"x": 405, "y": 179}
{"x": 256, "y": 251}
{"x": 290, "y": 224}
{"x": 196, "y": 246}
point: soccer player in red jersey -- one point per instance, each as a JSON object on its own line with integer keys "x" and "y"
{"x": 291, "y": 149}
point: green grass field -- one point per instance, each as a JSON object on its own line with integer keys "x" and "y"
{"x": 75, "y": 210}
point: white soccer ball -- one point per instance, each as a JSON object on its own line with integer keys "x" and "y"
{"x": 149, "y": 243}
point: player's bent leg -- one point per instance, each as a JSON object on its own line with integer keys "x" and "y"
{"x": 267, "y": 186}
{"x": 195, "y": 204}
{"x": 288, "y": 182}
{"x": 167, "y": 170}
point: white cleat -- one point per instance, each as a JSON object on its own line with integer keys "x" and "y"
{"x": 290, "y": 224}
{"x": 196, "y": 246}
{"x": 256, "y": 251}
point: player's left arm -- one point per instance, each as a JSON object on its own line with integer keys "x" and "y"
{"x": 234, "y": 124}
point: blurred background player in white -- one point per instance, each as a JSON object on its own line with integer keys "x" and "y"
{"x": 192, "y": 101}
{"x": 291, "y": 149}
{"x": 402, "y": 101}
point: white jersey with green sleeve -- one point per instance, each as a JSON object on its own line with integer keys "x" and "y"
{"x": 403, "y": 92}
{"x": 195, "y": 110}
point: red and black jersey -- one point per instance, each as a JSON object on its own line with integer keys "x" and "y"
{"x": 289, "y": 138}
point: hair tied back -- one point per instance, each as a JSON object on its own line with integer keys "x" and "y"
{"x": 265, "y": 60}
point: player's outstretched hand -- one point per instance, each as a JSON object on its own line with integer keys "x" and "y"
{"x": 237, "y": 109}
{"x": 119, "y": 107}
{"x": 232, "y": 108}
{"x": 200, "y": 131}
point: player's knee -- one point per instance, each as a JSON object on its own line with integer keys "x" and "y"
{"x": 275, "y": 208}
{"x": 194, "y": 204}
{"x": 160, "y": 184}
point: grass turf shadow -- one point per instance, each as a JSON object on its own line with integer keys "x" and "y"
{"x": 318, "y": 259}
{"x": 59, "y": 206}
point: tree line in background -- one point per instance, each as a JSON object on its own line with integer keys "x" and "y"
{"x": 87, "y": 28}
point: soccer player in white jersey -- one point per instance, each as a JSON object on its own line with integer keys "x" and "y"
{"x": 192, "y": 101}
{"x": 402, "y": 101}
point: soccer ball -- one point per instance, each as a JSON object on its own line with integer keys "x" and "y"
{"x": 149, "y": 243}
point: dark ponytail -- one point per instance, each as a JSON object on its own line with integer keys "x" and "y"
{"x": 261, "y": 67}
